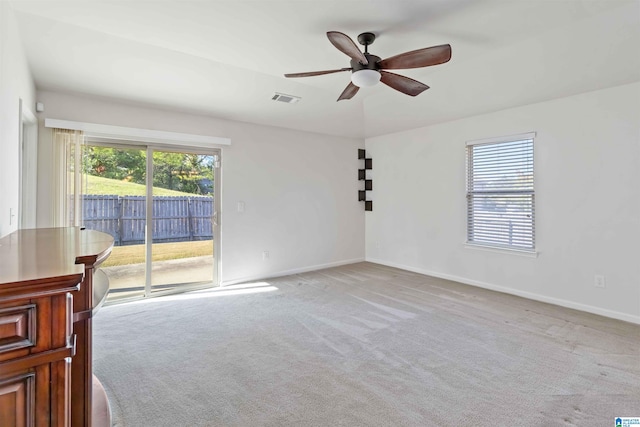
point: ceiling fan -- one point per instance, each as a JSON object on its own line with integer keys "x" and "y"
{"x": 367, "y": 69}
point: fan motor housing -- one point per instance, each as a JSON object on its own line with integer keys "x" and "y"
{"x": 372, "y": 65}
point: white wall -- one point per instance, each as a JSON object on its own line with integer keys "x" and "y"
{"x": 299, "y": 189}
{"x": 587, "y": 170}
{"x": 15, "y": 84}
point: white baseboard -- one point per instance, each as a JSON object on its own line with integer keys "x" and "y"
{"x": 290, "y": 272}
{"x": 529, "y": 295}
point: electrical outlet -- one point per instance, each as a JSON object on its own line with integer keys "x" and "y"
{"x": 265, "y": 255}
{"x": 599, "y": 281}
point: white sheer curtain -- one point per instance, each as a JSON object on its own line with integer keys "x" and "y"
{"x": 68, "y": 147}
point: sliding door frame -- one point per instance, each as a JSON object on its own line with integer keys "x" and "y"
{"x": 150, "y": 148}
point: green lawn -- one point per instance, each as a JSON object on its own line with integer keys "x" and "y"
{"x": 134, "y": 254}
{"x": 99, "y": 185}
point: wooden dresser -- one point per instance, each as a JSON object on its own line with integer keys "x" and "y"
{"x": 46, "y": 304}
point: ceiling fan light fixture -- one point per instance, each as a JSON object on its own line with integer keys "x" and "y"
{"x": 365, "y": 78}
{"x": 368, "y": 69}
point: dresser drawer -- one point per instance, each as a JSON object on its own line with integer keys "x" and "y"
{"x": 35, "y": 325}
{"x": 17, "y": 327}
{"x": 17, "y": 400}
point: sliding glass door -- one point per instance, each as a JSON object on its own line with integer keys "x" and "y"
{"x": 182, "y": 220}
{"x": 113, "y": 201}
{"x": 160, "y": 207}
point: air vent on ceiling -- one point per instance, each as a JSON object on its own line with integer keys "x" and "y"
{"x": 289, "y": 99}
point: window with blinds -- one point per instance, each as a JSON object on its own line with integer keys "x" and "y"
{"x": 500, "y": 193}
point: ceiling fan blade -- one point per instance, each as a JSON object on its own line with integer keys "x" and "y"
{"x": 349, "y": 92}
{"x": 403, "y": 84}
{"x": 316, "y": 73}
{"x": 418, "y": 58}
{"x": 347, "y": 46}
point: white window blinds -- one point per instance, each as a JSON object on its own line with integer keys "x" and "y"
{"x": 67, "y": 188}
{"x": 500, "y": 193}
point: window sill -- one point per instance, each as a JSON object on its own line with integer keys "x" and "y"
{"x": 528, "y": 254}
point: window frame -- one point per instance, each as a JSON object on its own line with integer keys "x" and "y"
{"x": 469, "y": 207}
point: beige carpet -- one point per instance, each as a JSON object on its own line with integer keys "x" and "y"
{"x": 363, "y": 345}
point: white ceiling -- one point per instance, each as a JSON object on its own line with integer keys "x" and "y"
{"x": 227, "y": 58}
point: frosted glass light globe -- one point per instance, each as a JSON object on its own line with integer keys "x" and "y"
{"x": 365, "y": 78}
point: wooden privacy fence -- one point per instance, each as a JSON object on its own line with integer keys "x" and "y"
{"x": 175, "y": 218}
